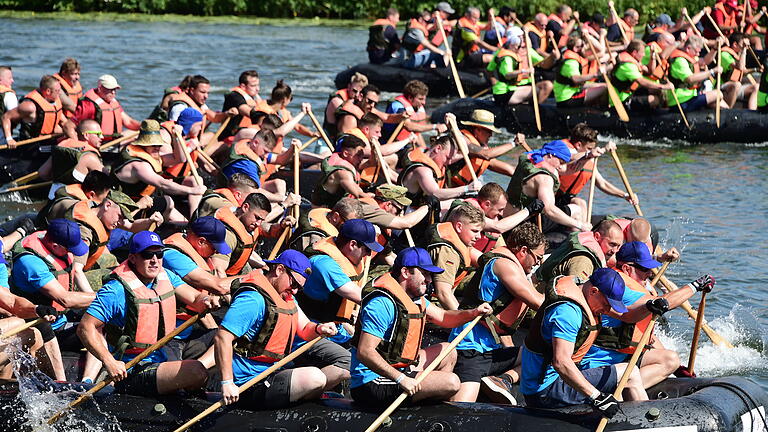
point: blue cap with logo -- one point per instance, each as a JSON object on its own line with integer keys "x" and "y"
{"x": 296, "y": 262}
{"x": 415, "y": 257}
{"x": 143, "y": 240}
{"x": 637, "y": 253}
{"x": 362, "y": 231}
{"x": 212, "y": 230}
{"x": 67, "y": 233}
{"x": 610, "y": 283}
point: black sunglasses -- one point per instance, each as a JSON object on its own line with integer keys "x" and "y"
{"x": 149, "y": 254}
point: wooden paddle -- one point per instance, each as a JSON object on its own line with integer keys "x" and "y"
{"x": 306, "y": 144}
{"x": 397, "y": 130}
{"x": 674, "y": 94}
{"x": 192, "y": 166}
{"x": 451, "y": 63}
{"x": 155, "y": 346}
{"x": 321, "y": 131}
{"x": 659, "y": 274}
{"x": 443, "y": 354}
{"x": 625, "y": 180}
{"x": 25, "y": 187}
{"x": 203, "y": 155}
{"x": 630, "y": 366}
{"x": 592, "y": 182}
{"x": 697, "y": 332}
{"x": 481, "y": 92}
{"x": 385, "y": 170}
{"x": 612, "y": 94}
{"x": 296, "y": 171}
{"x": 492, "y": 23}
{"x": 534, "y": 94}
{"x": 117, "y": 141}
{"x": 16, "y": 330}
{"x": 27, "y": 178}
{"x": 719, "y": 76}
{"x": 618, "y": 24}
{"x": 253, "y": 381}
{"x": 539, "y": 223}
{"x": 215, "y": 137}
{"x": 457, "y": 136}
{"x": 30, "y": 141}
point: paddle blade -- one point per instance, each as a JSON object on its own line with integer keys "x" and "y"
{"x": 616, "y": 101}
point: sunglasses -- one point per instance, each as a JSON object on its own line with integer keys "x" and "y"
{"x": 97, "y": 133}
{"x": 145, "y": 254}
{"x": 371, "y": 101}
{"x": 294, "y": 282}
{"x": 538, "y": 258}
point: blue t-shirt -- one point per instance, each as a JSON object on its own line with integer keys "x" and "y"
{"x": 4, "y": 276}
{"x": 561, "y": 321}
{"x": 29, "y": 274}
{"x": 377, "y": 318}
{"x": 244, "y": 318}
{"x": 326, "y": 278}
{"x": 180, "y": 264}
{"x": 598, "y": 356}
{"x": 480, "y": 338}
{"x": 244, "y": 166}
{"x": 109, "y": 306}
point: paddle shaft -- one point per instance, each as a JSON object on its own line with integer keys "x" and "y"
{"x": 253, "y": 381}
{"x": 321, "y": 131}
{"x": 617, "y": 104}
{"x": 451, "y": 63}
{"x": 279, "y": 243}
{"x": 396, "y": 132}
{"x": 719, "y": 77}
{"x": 16, "y": 330}
{"x": 141, "y": 356}
{"x": 674, "y": 94}
{"x": 625, "y": 180}
{"x": 296, "y": 172}
{"x": 192, "y": 166}
{"x": 25, "y": 187}
{"x": 492, "y": 22}
{"x": 695, "y": 29}
{"x": 115, "y": 142}
{"x": 481, "y": 92}
{"x": 659, "y": 274}
{"x": 385, "y": 170}
{"x": 458, "y": 136}
{"x": 618, "y": 24}
{"x": 591, "y": 200}
{"x": 218, "y": 132}
{"x": 443, "y": 354}
{"x": 31, "y": 140}
{"x": 306, "y": 144}
{"x": 697, "y": 332}
{"x": 630, "y": 366}
{"x": 531, "y": 75}
{"x": 27, "y": 178}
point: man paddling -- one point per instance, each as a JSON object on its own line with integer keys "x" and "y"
{"x": 8, "y": 99}
{"x": 244, "y": 97}
{"x": 71, "y": 89}
{"x": 101, "y": 104}
{"x": 340, "y": 173}
{"x": 688, "y": 78}
{"x": 387, "y": 354}
{"x": 72, "y": 159}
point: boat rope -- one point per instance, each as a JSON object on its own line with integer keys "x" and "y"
{"x": 745, "y": 398}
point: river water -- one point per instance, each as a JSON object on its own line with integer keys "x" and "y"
{"x": 707, "y": 200}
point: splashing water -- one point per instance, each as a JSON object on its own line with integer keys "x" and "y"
{"x": 41, "y": 397}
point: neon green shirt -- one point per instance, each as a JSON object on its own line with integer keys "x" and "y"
{"x": 505, "y": 66}
{"x": 563, "y": 92}
{"x": 627, "y": 72}
{"x": 728, "y": 62}
{"x": 680, "y": 69}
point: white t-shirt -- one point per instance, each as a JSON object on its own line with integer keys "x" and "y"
{"x": 178, "y": 108}
{"x": 10, "y": 103}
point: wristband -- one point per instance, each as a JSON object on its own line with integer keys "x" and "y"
{"x": 400, "y": 378}
{"x": 225, "y": 382}
{"x": 466, "y": 189}
{"x": 434, "y": 127}
{"x": 21, "y": 231}
{"x": 693, "y": 289}
{"x": 316, "y": 326}
{"x": 595, "y": 394}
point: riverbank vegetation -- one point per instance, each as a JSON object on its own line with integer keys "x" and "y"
{"x": 349, "y": 9}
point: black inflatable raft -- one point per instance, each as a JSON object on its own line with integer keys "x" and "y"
{"x": 393, "y": 79}
{"x": 737, "y": 125}
{"x": 679, "y": 405}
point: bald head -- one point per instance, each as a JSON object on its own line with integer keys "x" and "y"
{"x": 631, "y": 13}
{"x": 88, "y": 125}
{"x": 639, "y": 230}
{"x": 541, "y": 19}
{"x": 245, "y": 133}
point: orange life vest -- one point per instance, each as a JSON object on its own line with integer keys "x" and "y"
{"x": 179, "y": 242}
{"x": 75, "y": 190}
{"x": 74, "y": 92}
{"x": 49, "y": 114}
{"x": 661, "y": 66}
{"x": 134, "y": 153}
{"x": 729, "y": 18}
{"x": 150, "y": 313}
{"x": 82, "y": 213}
{"x": 278, "y": 326}
{"x": 621, "y": 85}
{"x": 414, "y": 23}
{"x": 694, "y": 64}
{"x": 416, "y": 158}
{"x": 109, "y": 115}
{"x": 318, "y": 218}
{"x": 60, "y": 267}
{"x": 419, "y": 116}
{"x": 530, "y": 27}
{"x": 443, "y": 234}
{"x": 184, "y": 98}
{"x": 572, "y": 182}
{"x": 463, "y": 176}
{"x": 245, "y": 121}
{"x": 628, "y": 29}
{"x": 246, "y": 241}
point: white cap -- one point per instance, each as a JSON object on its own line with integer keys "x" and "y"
{"x": 108, "y": 82}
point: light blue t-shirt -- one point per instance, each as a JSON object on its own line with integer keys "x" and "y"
{"x": 480, "y": 338}
{"x": 326, "y": 278}
{"x": 29, "y": 274}
{"x": 377, "y": 318}
{"x": 598, "y": 356}
{"x": 180, "y": 264}
{"x": 4, "y": 276}
{"x": 244, "y": 318}
{"x": 561, "y": 321}
{"x": 109, "y": 306}
{"x": 394, "y": 107}
{"x": 243, "y": 166}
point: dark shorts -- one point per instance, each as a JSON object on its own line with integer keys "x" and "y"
{"x": 68, "y": 339}
{"x": 141, "y": 381}
{"x": 502, "y": 99}
{"x": 472, "y": 365}
{"x": 695, "y": 104}
{"x": 577, "y": 101}
{"x": 560, "y": 394}
{"x": 272, "y": 393}
{"x": 548, "y": 225}
{"x": 324, "y": 353}
{"x": 379, "y": 392}
{"x": 472, "y": 61}
{"x": 191, "y": 348}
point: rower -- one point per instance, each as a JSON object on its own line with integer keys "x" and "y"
{"x": 101, "y": 104}
{"x": 420, "y": 51}
{"x": 498, "y": 27}
{"x": 383, "y": 41}
{"x": 239, "y": 186}
{"x": 139, "y": 282}
{"x": 71, "y": 89}
{"x": 8, "y": 100}
{"x": 42, "y": 273}
{"x": 561, "y": 333}
{"x": 449, "y": 246}
{"x": 734, "y": 63}
{"x": 537, "y": 32}
{"x": 561, "y": 23}
{"x": 467, "y": 43}
{"x": 387, "y": 211}
{"x": 582, "y": 253}
{"x": 321, "y": 222}
{"x": 369, "y": 130}
{"x": 260, "y": 300}
{"x": 618, "y": 337}
{"x": 684, "y": 73}
{"x": 137, "y": 174}
{"x": 537, "y": 175}
{"x": 511, "y": 73}
{"x": 639, "y": 229}
{"x": 412, "y": 102}
{"x": 353, "y": 91}
{"x": 160, "y": 112}
{"x": 572, "y": 74}
{"x": 195, "y": 97}
{"x": 95, "y": 187}
{"x": 72, "y": 159}
{"x": 351, "y": 111}
{"x": 628, "y": 22}
{"x": 502, "y": 281}
{"x": 334, "y": 287}
{"x": 476, "y": 133}
{"x": 340, "y": 173}
{"x": 627, "y": 76}
{"x": 663, "y": 25}
{"x": 387, "y": 353}
{"x": 726, "y": 15}
{"x": 40, "y": 113}
{"x": 243, "y": 97}
{"x": 281, "y": 96}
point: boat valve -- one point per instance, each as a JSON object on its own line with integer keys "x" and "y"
{"x": 159, "y": 409}
{"x": 653, "y": 414}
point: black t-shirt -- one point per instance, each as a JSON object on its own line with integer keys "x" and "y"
{"x": 555, "y": 27}
{"x": 232, "y": 100}
{"x": 535, "y": 40}
{"x": 614, "y": 33}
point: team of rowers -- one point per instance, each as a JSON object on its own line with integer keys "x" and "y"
{"x": 675, "y": 62}
{"x": 399, "y": 235}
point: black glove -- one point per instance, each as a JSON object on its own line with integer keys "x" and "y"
{"x": 606, "y": 404}
{"x": 42, "y": 311}
{"x": 536, "y": 206}
{"x": 434, "y": 208}
{"x": 704, "y": 283}
{"x": 28, "y": 226}
{"x": 658, "y": 306}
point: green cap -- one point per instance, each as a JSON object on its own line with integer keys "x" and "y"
{"x": 126, "y": 204}
{"x": 394, "y": 193}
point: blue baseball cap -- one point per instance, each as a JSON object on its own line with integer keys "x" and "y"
{"x": 610, "y": 283}
{"x": 558, "y": 149}
{"x": 637, "y": 253}
{"x": 296, "y": 262}
{"x": 188, "y": 117}
{"x": 143, "y": 240}
{"x": 67, "y": 233}
{"x": 416, "y": 257}
{"x": 212, "y": 230}
{"x": 361, "y": 231}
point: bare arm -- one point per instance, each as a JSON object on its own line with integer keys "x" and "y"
{"x": 507, "y": 223}
{"x": 444, "y": 293}
{"x": 144, "y": 172}
{"x": 68, "y": 299}
{"x": 514, "y": 280}
{"x": 81, "y": 282}
{"x": 429, "y": 186}
{"x": 605, "y": 186}
{"x": 350, "y": 291}
{"x": 367, "y": 354}
{"x": 202, "y": 280}
{"x": 564, "y": 365}
{"x": 454, "y": 318}
{"x": 543, "y": 185}
{"x": 223, "y": 352}
{"x": 129, "y": 122}
{"x": 409, "y": 220}
{"x": 18, "y": 306}
{"x": 348, "y": 183}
